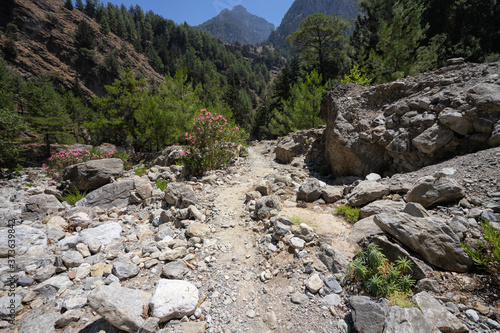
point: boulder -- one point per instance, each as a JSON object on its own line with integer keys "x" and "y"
{"x": 430, "y": 237}
{"x": 363, "y": 230}
{"x": 143, "y": 187}
{"x": 180, "y": 195}
{"x": 38, "y": 206}
{"x": 175, "y": 269}
{"x": 407, "y": 320}
{"x": 267, "y": 206}
{"x": 381, "y": 206}
{"x": 310, "y": 190}
{"x": 485, "y": 96}
{"x": 332, "y": 194}
{"x": 295, "y": 144}
{"x": 438, "y": 314}
{"x": 368, "y": 315}
{"x": 105, "y": 234}
{"x": 430, "y": 191}
{"x": 197, "y": 229}
{"x": 456, "y": 121}
{"x": 42, "y": 323}
{"x": 366, "y": 192}
{"x": 335, "y": 261}
{"x": 314, "y": 283}
{"x": 92, "y": 174}
{"x": 108, "y": 196}
{"x": 51, "y": 286}
{"x": 173, "y": 299}
{"x": 27, "y": 239}
{"x": 121, "y": 307}
{"x": 433, "y": 138}
{"x": 303, "y": 231}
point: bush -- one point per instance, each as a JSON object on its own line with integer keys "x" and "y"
{"x": 72, "y": 197}
{"x": 59, "y": 161}
{"x": 350, "y": 213}
{"x": 212, "y": 143}
{"x": 401, "y": 299}
{"x": 487, "y": 255}
{"x": 380, "y": 276}
{"x": 356, "y": 77}
{"x": 161, "y": 184}
{"x": 141, "y": 170}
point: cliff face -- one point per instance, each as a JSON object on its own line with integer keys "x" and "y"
{"x": 238, "y": 25}
{"x": 405, "y": 125}
{"x": 46, "y": 45}
{"x": 300, "y": 9}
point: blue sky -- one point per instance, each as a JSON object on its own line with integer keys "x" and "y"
{"x": 195, "y": 12}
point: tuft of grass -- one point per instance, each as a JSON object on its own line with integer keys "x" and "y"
{"x": 297, "y": 221}
{"x": 141, "y": 170}
{"x": 72, "y": 197}
{"x": 401, "y": 299}
{"x": 487, "y": 253}
{"x": 350, "y": 213}
{"x": 161, "y": 184}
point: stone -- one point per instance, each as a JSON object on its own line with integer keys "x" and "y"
{"x": 263, "y": 187}
{"x": 335, "y": 261}
{"x": 53, "y": 285}
{"x": 270, "y": 320}
{"x": 91, "y": 175}
{"x": 407, "y": 320}
{"x": 368, "y": 316}
{"x": 381, "y": 206}
{"x": 444, "y": 320}
{"x": 79, "y": 219}
{"x": 72, "y": 302}
{"x": 106, "y": 234}
{"x": 485, "y": 95}
{"x": 122, "y": 307}
{"x": 10, "y": 306}
{"x": 429, "y": 191}
{"x": 430, "y": 237}
{"x": 331, "y": 300}
{"x": 57, "y": 223}
{"x": 197, "y": 229}
{"x": 42, "y": 323}
{"x": 294, "y": 144}
{"x": 415, "y": 209}
{"x": 332, "y": 194}
{"x": 180, "y": 195}
{"x": 455, "y": 121}
{"x": 194, "y": 327}
{"x": 195, "y": 213}
{"x": 108, "y": 196}
{"x": 83, "y": 250}
{"x": 72, "y": 259}
{"x": 68, "y": 317}
{"x": 297, "y": 243}
{"x": 373, "y": 176}
{"x": 332, "y": 284}
{"x": 265, "y": 206}
{"x": 170, "y": 255}
{"x": 45, "y": 273}
{"x": 427, "y": 284}
{"x": 252, "y": 195}
{"x": 39, "y": 206}
{"x": 303, "y": 231}
{"x": 299, "y": 298}
{"x": 175, "y": 270}
{"x": 494, "y": 139}
{"x": 433, "y": 138}
{"x": 364, "y": 229}
{"x": 367, "y": 191}
{"x": 314, "y": 283}
{"x": 124, "y": 268}
{"x": 310, "y": 190}
{"x": 472, "y": 315}
{"x": 143, "y": 187}
{"x": 27, "y": 239}
{"x": 101, "y": 269}
{"x": 173, "y": 299}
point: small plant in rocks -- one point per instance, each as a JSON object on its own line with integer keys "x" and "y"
{"x": 487, "y": 252}
{"x": 62, "y": 159}
{"x": 380, "y": 276}
{"x": 350, "y": 213}
{"x": 161, "y": 184}
{"x": 212, "y": 143}
{"x": 72, "y": 197}
{"x": 141, "y": 170}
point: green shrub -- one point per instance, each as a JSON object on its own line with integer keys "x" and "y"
{"x": 141, "y": 170}
{"x": 350, "y": 213}
{"x": 161, "y": 184}
{"x": 380, "y": 276}
{"x": 487, "y": 255}
{"x": 298, "y": 221}
{"x": 355, "y": 76}
{"x": 72, "y": 197}
{"x": 401, "y": 299}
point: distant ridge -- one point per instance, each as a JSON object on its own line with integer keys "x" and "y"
{"x": 238, "y": 25}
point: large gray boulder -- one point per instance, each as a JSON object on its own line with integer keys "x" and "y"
{"x": 296, "y": 143}
{"x": 108, "y": 196}
{"x": 121, "y": 307}
{"x": 38, "y": 206}
{"x": 43, "y": 323}
{"x": 173, "y": 299}
{"x": 27, "y": 240}
{"x": 310, "y": 190}
{"x": 430, "y": 191}
{"x": 381, "y": 206}
{"x": 368, "y": 315}
{"x": 267, "y": 206}
{"x": 92, "y": 174}
{"x": 438, "y": 314}
{"x": 408, "y": 321}
{"x": 366, "y": 192}
{"x": 180, "y": 195}
{"x": 430, "y": 237}
{"x": 105, "y": 234}
{"x": 433, "y": 139}
{"x": 363, "y": 230}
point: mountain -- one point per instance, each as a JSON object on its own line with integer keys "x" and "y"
{"x": 238, "y": 25}
{"x": 300, "y": 9}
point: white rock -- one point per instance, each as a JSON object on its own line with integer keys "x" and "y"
{"x": 173, "y": 299}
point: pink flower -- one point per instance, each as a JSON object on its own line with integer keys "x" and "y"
{"x": 186, "y": 134}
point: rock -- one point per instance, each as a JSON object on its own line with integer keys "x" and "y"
{"x": 171, "y": 255}
{"x": 494, "y": 139}
{"x": 455, "y": 121}
{"x": 299, "y": 298}
{"x": 303, "y": 231}
{"x": 124, "y": 268}
{"x": 381, "y": 206}
{"x": 67, "y": 318}
{"x": 197, "y": 229}
{"x": 407, "y": 320}
{"x": 331, "y": 300}
{"x": 429, "y": 237}
{"x": 429, "y": 191}
{"x": 72, "y": 302}
{"x": 416, "y": 210}
{"x": 83, "y": 250}
{"x": 101, "y": 269}
{"x": 373, "y": 176}
{"x": 332, "y": 284}
{"x": 310, "y": 190}
{"x": 10, "y": 306}
{"x": 263, "y": 187}
{"x": 472, "y": 315}
{"x": 45, "y": 273}
{"x": 295, "y": 144}
{"x": 444, "y": 320}
{"x": 57, "y": 223}
{"x": 314, "y": 283}
{"x": 194, "y": 327}
{"x": 367, "y": 191}
{"x": 173, "y": 299}
{"x": 270, "y": 320}
{"x": 108, "y": 196}
{"x": 432, "y": 139}
{"x": 252, "y": 195}
{"x": 180, "y": 195}
{"x": 362, "y": 230}
{"x": 195, "y": 213}
{"x": 368, "y": 316}
{"x": 79, "y": 219}
{"x": 121, "y": 307}
{"x": 92, "y": 174}
{"x": 72, "y": 259}
{"x": 485, "y": 95}
{"x": 143, "y": 187}
{"x": 27, "y": 239}
{"x": 297, "y": 243}
{"x": 265, "y": 206}
{"x": 43, "y": 323}
{"x": 40, "y": 205}
{"x": 106, "y": 234}
{"x": 335, "y": 261}
{"x": 175, "y": 270}
{"x": 332, "y": 194}
{"x": 51, "y": 286}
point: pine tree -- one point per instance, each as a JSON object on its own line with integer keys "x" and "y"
{"x": 79, "y": 5}
{"x": 68, "y": 4}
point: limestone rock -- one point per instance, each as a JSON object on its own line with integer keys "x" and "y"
{"x": 111, "y": 195}
{"x": 366, "y": 192}
{"x": 433, "y": 139}
{"x": 368, "y": 315}
{"x": 364, "y": 229}
{"x": 40, "y": 205}
{"x": 124, "y": 268}
{"x": 180, "y": 195}
{"x": 314, "y": 283}
{"x": 265, "y": 206}
{"x": 173, "y": 299}
{"x": 197, "y": 229}
{"x": 407, "y": 320}
{"x": 444, "y": 320}
{"x": 430, "y": 191}
{"x": 28, "y": 239}
{"x": 335, "y": 261}
{"x": 381, "y": 206}
{"x": 332, "y": 194}
{"x": 310, "y": 190}
{"x": 175, "y": 269}
{"x": 92, "y": 174}
{"x": 43, "y": 323}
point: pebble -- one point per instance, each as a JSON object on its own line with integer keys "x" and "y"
{"x": 472, "y": 315}
{"x": 250, "y": 314}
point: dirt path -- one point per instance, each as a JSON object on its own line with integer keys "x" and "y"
{"x": 240, "y": 300}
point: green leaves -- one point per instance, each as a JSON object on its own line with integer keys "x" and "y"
{"x": 487, "y": 252}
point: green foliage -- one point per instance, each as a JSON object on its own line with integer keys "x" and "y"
{"x": 60, "y": 160}
{"x": 350, "y": 213}
{"x": 141, "y": 170}
{"x": 487, "y": 253}
{"x": 298, "y": 221}
{"x": 380, "y": 276}
{"x": 401, "y": 299}
{"x": 85, "y": 35}
{"x": 355, "y": 76}
{"x": 11, "y": 126}
{"x": 213, "y": 142}
{"x": 68, "y": 4}
{"x": 73, "y": 197}
{"x": 9, "y": 49}
{"x": 161, "y": 184}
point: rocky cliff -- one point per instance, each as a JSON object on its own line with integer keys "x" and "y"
{"x": 407, "y": 124}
